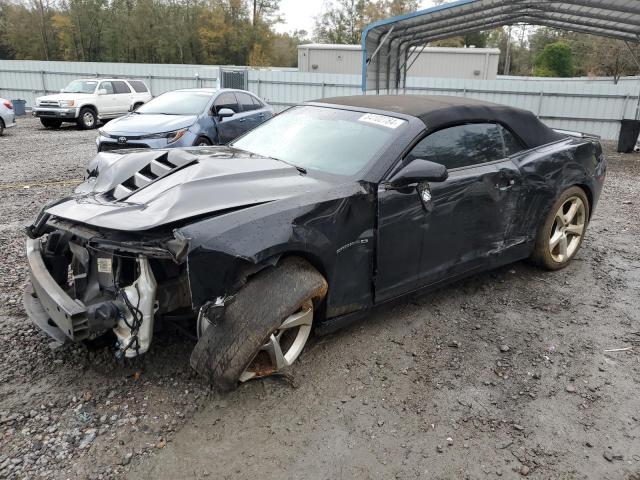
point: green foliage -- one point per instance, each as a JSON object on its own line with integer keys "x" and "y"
{"x": 344, "y": 21}
{"x": 148, "y": 31}
{"x": 556, "y": 60}
{"x": 241, "y": 32}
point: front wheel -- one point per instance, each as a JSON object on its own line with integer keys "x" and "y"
{"x": 202, "y": 142}
{"x": 1, "y": 127}
{"x": 561, "y": 235}
{"x": 265, "y": 327}
{"x": 87, "y": 119}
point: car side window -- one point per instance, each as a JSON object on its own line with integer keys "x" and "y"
{"x": 108, "y": 87}
{"x": 245, "y": 101}
{"x": 121, "y": 87}
{"x": 258, "y": 104}
{"x": 511, "y": 144}
{"x": 226, "y": 100}
{"x": 138, "y": 86}
{"x": 461, "y": 146}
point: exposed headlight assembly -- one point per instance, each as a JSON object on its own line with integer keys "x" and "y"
{"x": 67, "y": 103}
{"x": 173, "y": 137}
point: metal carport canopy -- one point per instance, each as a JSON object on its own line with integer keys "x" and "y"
{"x": 389, "y": 47}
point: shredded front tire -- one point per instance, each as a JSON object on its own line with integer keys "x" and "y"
{"x": 274, "y": 301}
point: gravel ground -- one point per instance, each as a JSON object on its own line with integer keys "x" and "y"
{"x": 503, "y": 375}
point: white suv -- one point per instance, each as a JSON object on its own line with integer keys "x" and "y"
{"x": 86, "y": 101}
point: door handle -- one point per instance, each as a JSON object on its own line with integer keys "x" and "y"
{"x": 261, "y": 115}
{"x": 242, "y": 120}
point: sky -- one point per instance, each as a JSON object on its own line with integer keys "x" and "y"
{"x": 299, "y": 14}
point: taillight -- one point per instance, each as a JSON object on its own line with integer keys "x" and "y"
{"x": 8, "y": 104}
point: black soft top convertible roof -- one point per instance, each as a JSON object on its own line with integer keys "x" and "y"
{"x": 438, "y": 112}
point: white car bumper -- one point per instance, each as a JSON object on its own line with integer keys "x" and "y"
{"x": 53, "y": 112}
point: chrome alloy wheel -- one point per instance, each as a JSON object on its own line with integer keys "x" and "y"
{"x": 283, "y": 346}
{"x": 567, "y": 229}
{"x": 89, "y": 119}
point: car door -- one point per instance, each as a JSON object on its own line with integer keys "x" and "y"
{"x": 249, "y": 111}
{"x": 462, "y": 223}
{"x": 123, "y": 97}
{"x": 140, "y": 91}
{"x": 229, "y": 127}
{"x": 472, "y": 210}
{"x": 263, "y": 113}
{"x": 106, "y": 103}
{"x": 401, "y": 221}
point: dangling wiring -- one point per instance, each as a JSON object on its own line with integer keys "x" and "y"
{"x": 136, "y": 315}
{"x": 136, "y": 323}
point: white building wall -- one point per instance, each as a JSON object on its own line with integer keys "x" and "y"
{"x": 470, "y": 63}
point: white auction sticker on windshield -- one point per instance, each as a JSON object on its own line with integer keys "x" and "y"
{"x": 381, "y": 120}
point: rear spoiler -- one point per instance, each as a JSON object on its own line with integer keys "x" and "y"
{"x": 570, "y": 133}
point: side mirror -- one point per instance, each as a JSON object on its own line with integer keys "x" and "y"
{"x": 225, "y": 113}
{"x": 62, "y": 90}
{"x": 419, "y": 171}
{"x": 102, "y": 91}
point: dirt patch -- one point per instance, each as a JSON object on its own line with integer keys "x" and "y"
{"x": 503, "y": 375}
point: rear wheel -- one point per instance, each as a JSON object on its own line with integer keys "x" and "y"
{"x": 51, "y": 122}
{"x": 87, "y": 119}
{"x": 560, "y": 237}
{"x": 265, "y": 327}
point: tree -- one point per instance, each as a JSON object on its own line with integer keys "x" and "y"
{"x": 266, "y": 11}
{"x": 556, "y": 60}
{"x": 344, "y": 21}
{"x": 520, "y": 58}
{"x": 284, "y": 52}
{"x": 611, "y": 58}
{"x": 6, "y": 50}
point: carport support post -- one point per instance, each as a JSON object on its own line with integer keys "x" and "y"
{"x": 635, "y": 59}
{"x": 375, "y": 52}
{"x": 638, "y": 106}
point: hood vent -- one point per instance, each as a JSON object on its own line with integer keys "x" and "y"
{"x": 161, "y": 166}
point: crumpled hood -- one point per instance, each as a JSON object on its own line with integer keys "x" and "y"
{"x": 64, "y": 96}
{"x": 143, "y": 124}
{"x": 121, "y": 193}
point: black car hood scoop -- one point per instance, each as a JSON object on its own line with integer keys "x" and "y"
{"x": 159, "y": 167}
{"x": 142, "y": 190}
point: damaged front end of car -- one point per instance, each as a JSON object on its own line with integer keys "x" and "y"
{"x": 85, "y": 282}
{"x": 153, "y": 236}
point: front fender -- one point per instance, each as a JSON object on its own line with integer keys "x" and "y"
{"x": 336, "y": 236}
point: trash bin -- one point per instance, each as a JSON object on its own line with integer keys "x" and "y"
{"x": 629, "y": 132}
{"x": 18, "y": 107}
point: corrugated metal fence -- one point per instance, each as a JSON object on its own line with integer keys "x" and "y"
{"x": 582, "y": 105}
{"x": 28, "y": 79}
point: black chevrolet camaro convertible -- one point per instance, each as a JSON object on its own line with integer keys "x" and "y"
{"x": 309, "y": 221}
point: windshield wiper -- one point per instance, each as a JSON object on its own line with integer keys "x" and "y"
{"x": 302, "y": 170}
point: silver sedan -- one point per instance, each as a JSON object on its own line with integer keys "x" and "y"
{"x": 7, "y": 115}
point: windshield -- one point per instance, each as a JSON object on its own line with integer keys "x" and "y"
{"x": 326, "y": 139}
{"x": 81, "y": 86}
{"x": 177, "y": 103}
